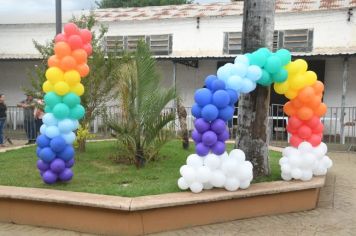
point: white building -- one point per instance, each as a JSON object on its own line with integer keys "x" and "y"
{"x": 192, "y": 41}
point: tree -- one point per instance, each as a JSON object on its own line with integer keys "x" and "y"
{"x": 182, "y": 117}
{"x": 252, "y": 134}
{"x": 140, "y": 127}
{"x": 139, "y": 3}
{"x": 99, "y": 84}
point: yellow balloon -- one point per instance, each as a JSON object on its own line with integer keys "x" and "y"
{"x": 290, "y": 94}
{"x": 61, "y": 88}
{"x": 310, "y": 77}
{"x": 47, "y": 87}
{"x": 54, "y": 74}
{"x": 78, "y": 89}
{"x": 292, "y": 68}
{"x": 72, "y": 77}
{"x": 281, "y": 88}
{"x": 297, "y": 82}
{"x": 302, "y": 65}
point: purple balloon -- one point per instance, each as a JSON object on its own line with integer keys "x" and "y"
{"x": 42, "y": 166}
{"x": 224, "y": 136}
{"x": 57, "y": 165}
{"x": 66, "y": 175}
{"x": 218, "y": 126}
{"x": 201, "y": 125}
{"x": 49, "y": 177}
{"x": 209, "y": 138}
{"x": 201, "y": 149}
{"x": 196, "y": 136}
{"x": 70, "y": 163}
{"x": 218, "y": 148}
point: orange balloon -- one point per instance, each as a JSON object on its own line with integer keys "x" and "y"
{"x": 68, "y": 63}
{"x": 80, "y": 55}
{"x": 318, "y": 87}
{"x": 321, "y": 110}
{"x": 83, "y": 69}
{"x": 306, "y": 94}
{"x": 297, "y": 103}
{"x": 62, "y": 49}
{"x": 53, "y": 61}
{"x": 305, "y": 113}
{"x": 289, "y": 109}
{"x": 314, "y": 102}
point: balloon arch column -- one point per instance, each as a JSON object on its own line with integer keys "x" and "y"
{"x": 212, "y": 166}
{"x": 63, "y": 110}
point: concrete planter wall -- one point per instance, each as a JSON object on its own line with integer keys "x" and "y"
{"x": 113, "y": 215}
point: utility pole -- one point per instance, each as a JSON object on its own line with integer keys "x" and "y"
{"x": 58, "y": 16}
{"x": 252, "y": 131}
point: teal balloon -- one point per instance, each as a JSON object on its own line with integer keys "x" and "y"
{"x": 77, "y": 112}
{"x": 265, "y": 51}
{"x": 258, "y": 59}
{"x": 48, "y": 109}
{"x": 284, "y": 55}
{"x": 273, "y": 64}
{"x": 71, "y": 100}
{"x": 51, "y": 99}
{"x": 61, "y": 111}
{"x": 265, "y": 79}
{"x": 280, "y": 76}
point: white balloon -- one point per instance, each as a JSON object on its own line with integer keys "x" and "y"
{"x": 223, "y": 156}
{"x": 290, "y": 151}
{"x": 196, "y": 187}
{"x": 307, "y": 175}
{"x": 308, "y": 160}
{"x": 286, "y": 176}
{"x": 238, "y": 154}
{"x": 283, "y": 160}
{"x": 232, "y": 184}
{"x": 296, "y": 173}
{"x": 229, "y": 167}
{"x": 207, "y": 185}
{"x": 212, "y": 162}
{"x": 245, "y": 184}
{"x": 218, "y": 179}
{"x": 244, "y": 173}
{"x": 305, "y": 147}
{"x": 188, "y": 173}
{"x": 294, "y": 161}
{"x": 203, "y": 174}
{"x": 285, "y": 168}
{"x": 194, "y": 160}
{"x": 327, "y": 162}
{"x": 242, "y": 59}
{"x": 182, "y": 184}
{"x": 249, "y": 164}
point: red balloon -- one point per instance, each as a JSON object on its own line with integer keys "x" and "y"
{"x": 86, "y": 35}
{"x": 313, "y": 122}
{"x": 294, "y": 122}
{"x": 60, "y": 38}
{"x": 318, "y": 129}
{"x": 88, "y": 48}
{"x": 304, "y": 132}
{"x": 295, "y": 141}
{"x": 290, "y": 129}
{"x": 315, "y": 140}
{"x": 75, "y": 42}
{"x": 71, "y": 29}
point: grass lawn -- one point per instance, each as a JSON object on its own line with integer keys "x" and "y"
{"x": 95, "y": 172}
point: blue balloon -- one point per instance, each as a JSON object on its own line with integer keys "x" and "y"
{"x": 49, "y": 119}
{"x": 203, "y": 96}
{"x": 225, "y": 72}
{"x": 239, "y": 69}
{"x": 254, "y": 73}
{"x": 221, "y": 98}
{"x": 242, "y": 59}
{"x": 75, "y": 124}
{"x": 234, "y": 97}
{"x": 43, "y": 129}
{"x": 65, "y": 126}
{"x": 209, "y": 80}
{"x": 69, "y": 137}
{"x": 235, "y": 83}
{"x": 38, "y": 150}
{"x": 52, "y": 131}
{"x": 226, "y": 113}
{"x": 217, "y": 85}
{"x": 248, "y": 86}
{"x": 67, "y": 153}
{"x": 42, "y": 141}
{"x": 47, "y": 155}
{"x": 209, "y": 112}
{"x": 58, "y": 144}
{"x": 196, "y": 111}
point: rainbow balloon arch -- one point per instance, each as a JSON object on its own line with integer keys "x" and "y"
{"x": 63, "y": 89}
{"x": 212, "y": 166}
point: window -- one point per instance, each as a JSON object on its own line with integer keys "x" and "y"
{"x": 232, "y": 43}
{"x": 158, "y": 44}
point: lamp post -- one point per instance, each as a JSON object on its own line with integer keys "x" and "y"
{"x": 58, "y": 16}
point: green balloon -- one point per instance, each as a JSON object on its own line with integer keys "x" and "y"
{"x": 51, "y": 99}
{"x": 48, "y": 109}
{"x": 77, "y": 112}
{"x": 280, "y": 76}
{"x": 71, "y": 100}
{"x": 273, "y": 64}
{"x": 61, "y": 111}
{"x": 258, "y": 59}
{"x": 265, "y": 79}
{"x": 265, "y": 51}
{"x": 284, "y": 55}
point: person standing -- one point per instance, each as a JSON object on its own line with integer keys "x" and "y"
{"x": 28, "y": 106}
{"x": 38, "y": 114}
{"x": 3, "y": 109}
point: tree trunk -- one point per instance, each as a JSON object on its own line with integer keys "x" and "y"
{"x": 252, "y": 133}
{"x": 81, "y": 145}
{"x": 182, "y": 116}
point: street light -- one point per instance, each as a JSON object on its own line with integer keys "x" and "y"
{"x": 58, "y": 16}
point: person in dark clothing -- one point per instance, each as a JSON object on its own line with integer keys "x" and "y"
{"x": 3, "y": 109}
{"x": 28, "y": 106}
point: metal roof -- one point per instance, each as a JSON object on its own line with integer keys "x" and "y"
{"x": 213, "y": 10}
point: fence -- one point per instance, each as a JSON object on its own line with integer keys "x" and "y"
{"x": 338, "y": 128}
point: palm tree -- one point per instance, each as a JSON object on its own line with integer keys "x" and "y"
{"x": 140, "y": 128}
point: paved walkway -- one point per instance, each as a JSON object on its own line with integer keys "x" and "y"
{"x": 336, "y": 214}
